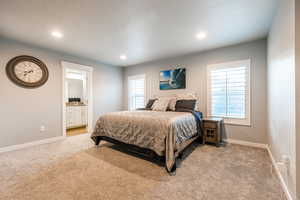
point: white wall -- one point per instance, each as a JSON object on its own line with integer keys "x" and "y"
{"x": 297, "y": 75}
{"x": 196, "y": 64}
{"x": 281, "y": 88}
{"x": 23, "y": 111}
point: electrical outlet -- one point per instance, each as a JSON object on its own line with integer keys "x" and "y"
{"x": 43, "y": 128}
{"x": 284, "y": 164}
{"x": 286, "y": 160}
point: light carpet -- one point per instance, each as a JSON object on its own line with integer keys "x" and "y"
{"x": 75, "y": 169}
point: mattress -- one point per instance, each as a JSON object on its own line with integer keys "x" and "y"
{"x": 162, "y": 132}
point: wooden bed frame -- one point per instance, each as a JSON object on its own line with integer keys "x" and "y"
{"x": 150, "y": 154}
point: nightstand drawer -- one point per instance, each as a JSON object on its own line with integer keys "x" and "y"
{"x": 211, "y": 135}
{"x": 210, "y": 125}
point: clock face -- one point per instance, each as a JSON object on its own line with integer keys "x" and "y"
{"x": 28, "y": 72}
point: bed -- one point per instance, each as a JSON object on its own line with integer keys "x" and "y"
{"x": 164, "y": 134}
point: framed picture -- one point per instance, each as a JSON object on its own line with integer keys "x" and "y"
{"x": 172, "y": 79}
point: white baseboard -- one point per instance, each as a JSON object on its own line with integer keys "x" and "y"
{"x": 283, "y": 184}
{"x": 30, "y": 144}
{"x": 245, "y": 143}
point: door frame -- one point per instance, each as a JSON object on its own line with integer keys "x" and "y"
{"x": 89, "y": 71}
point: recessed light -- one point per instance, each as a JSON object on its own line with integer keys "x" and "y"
{"x": 123, "y": 57}
{"x": 57, "y": 34}
{"x": 201, "y": 35}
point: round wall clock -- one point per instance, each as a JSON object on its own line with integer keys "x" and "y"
{"x": 27, "y": 71}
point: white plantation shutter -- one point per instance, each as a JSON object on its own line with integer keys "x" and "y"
{"x": 136, "y": 92}
{"x": 229, "y": 91}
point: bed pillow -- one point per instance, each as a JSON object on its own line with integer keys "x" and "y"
{"x": 189, "y": 96}
{"x": 161, "y": 104}
{"x": 143, "y": 109}
{"x": 185, "y": 105}
{"x": 150, "y": 103}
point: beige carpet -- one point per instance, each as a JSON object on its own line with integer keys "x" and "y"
{"x": 75, "y": 169}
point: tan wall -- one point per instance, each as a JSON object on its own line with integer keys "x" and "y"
{"x": 196, "y": 64}
{"x": 23, "y": 111}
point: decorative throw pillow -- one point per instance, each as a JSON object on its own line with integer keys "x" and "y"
{"x": 161, "y": 104}
{"x": 185, "y": 105}
{"x": 150, "y": 103}
{"x": 172, "y": 103}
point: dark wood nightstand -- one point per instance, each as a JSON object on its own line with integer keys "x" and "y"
{"x": 213, "y": 131}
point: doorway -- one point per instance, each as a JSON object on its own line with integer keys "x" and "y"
{"x": 77, "y": 99}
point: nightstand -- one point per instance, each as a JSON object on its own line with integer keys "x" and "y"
{"x": 213, "y": 131}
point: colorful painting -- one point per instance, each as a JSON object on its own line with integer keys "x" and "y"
{"x": 172, "y": 79}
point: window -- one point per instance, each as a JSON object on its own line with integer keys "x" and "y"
{"x": 229, "y": 91}
{"x": 136, "y": 92}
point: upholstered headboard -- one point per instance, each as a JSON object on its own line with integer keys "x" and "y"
{"x": 187, "y": 95}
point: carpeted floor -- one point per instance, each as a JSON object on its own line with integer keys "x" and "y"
{"x": 74, "y": 169}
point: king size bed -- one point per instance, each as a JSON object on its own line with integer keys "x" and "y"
{"x": 164, "y": 133}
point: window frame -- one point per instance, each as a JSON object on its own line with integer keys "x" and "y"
{"x": 135, "y": 77}
{"x": 229, "y": 120}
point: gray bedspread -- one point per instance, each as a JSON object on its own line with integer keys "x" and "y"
{"x": 158, "y": 131}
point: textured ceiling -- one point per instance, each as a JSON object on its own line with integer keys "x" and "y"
{"x": 144, "y": 30}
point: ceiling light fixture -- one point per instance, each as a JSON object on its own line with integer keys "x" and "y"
{"x": 201, "y": 35}
{"x": 123, "y": 57}
{"x": 57, "y": 34}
